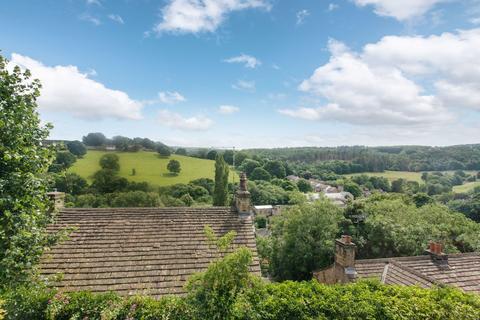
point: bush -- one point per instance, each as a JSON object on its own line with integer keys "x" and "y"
{"x": 163, "y": 150}
{"x": 261, "y": 222}
{"x": 26, "y": 302}
{"x": 77, "y": 148}
{"x": 304, "y": 186}
{"x": 174, "y": 167}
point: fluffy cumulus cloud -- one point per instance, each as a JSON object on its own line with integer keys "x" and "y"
{"x": 193, "y": 16}
{"x": 177, "y": 121}
{"x": 400, "y": 9}
{"x": 247, "y": 60}
{"x": 67, "y": 89}
{"x": 228, "y": 109}
{"x": 397, "y": 81}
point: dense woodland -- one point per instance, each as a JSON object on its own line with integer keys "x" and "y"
{"x": 375, "y": 159}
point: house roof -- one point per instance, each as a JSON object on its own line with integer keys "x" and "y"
{"x": 462, "y": 271}
{"x": 149, "y": 251}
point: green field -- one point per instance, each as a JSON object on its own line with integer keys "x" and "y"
{"x": 149, "y": 167}
{"x": 466, "y": 187}
{"x": 393, "y": 175}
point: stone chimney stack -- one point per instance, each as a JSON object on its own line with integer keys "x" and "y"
{"x": 57, "y": 198}
{"x": 435, "y": 250}
{"x": 345, "y": 259}
{"x": 242, "y": 197}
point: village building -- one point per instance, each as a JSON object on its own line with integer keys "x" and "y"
{"x": 150, "y": 251}
{"x": 435, "y": 268}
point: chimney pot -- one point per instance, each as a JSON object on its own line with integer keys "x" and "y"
{"x": 346, "y": 239}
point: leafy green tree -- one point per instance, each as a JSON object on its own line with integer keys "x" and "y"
{"x": 107, "y": 181}
{"x": 95, "y": 139}
{"x": 304, "y": 186}
{"x": 77, "y": 148}
{"x": 122, "y": 143}
{"x": 212, "y": 155}
{"x": 181, "y": 151}
{"x": 239, "y": 158}
{"x": 275, "y": 168}
{"x": 249, "y": 165}
{"x": 260, "y": 174}
{"x": 63, "y": 160}
{"x": 264, "y": 192}
{"x": 163, "y": 150}
{"x": 70, "y": 182}
{"x": 353, "y": 188}
{"x": 220, "y": 193}
{"x": 213, "y": 293}
{"x": 398, "y": 185}
{"x": 422, "y": 199}
{"x": 174, "y": 167}
{"x": 24, "y": 159}
{"x": 206, "y": 183}
{"x": 303, "y": 239}
{"x": 110, "y": 161}
{"x": 228, "y": 156}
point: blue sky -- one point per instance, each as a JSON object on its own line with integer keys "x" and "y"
{"x": 253, "y": 73}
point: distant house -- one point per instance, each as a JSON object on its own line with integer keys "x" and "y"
{"x": 339, "y": 198}
{"x": 435, "y": 268}
{"x": 151, "y": 251}
{"x": 110, "y": 148}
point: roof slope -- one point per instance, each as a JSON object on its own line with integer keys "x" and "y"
{"x": 463, "y": 271}
{"x": 140, "y": 250}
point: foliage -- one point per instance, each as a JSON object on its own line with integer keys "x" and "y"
{"x": 163, "y": 150}
{"x": 63, "y": 160}
{"x": 353, "y": 188}
{"x": 70, "y": 183}
{"x": 263, "y": 192}
{"x": 118, "y": 199}
{"x": 395, "y": 226}
{"x": 248, "y": 165}
{"x": 213, "y": 292}
{"x": 302, "y": 239}
{"x": 361, "y": 300}
{"x": 174, "y": 166}
{"x": 304, "y": 186}
{"x": 26, "y": 302}
{"x": 260, "y": 174}
{"x": 77, "y": 148}
{"x": 110, "y": 161}
{"x": 211, "y": 155}
{"x": 181, "y": 151}
{"x": 94, "y": 139}
{"x": 275, "y": 168}
{"x": 220, "y": 193}
{"x": 108, "y": 181}
{"x": 23, "y": 161}
{"x": 260, "y": 221}
{"x": 469, "y": 205}
{"x": 2, "y": 312}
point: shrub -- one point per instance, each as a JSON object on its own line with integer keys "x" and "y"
{"x": 110, "y": 161}
{"x": 304, "y": 186}
{"x": 261, "y": 222}
{"x": 26, "y": 302}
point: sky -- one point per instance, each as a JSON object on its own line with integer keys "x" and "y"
{"x": 253, "y": 73}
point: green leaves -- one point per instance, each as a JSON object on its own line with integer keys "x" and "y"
{"x": 23, "y": 161}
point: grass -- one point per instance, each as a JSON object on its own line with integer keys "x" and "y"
{"x": 149, "y": 167}
{"x": 393, "y": 175}
{"x": 466, "y": 187}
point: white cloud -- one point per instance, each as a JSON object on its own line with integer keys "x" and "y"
{"x": 89, "y": 18}
{"x": 400, "y": 9}
{"x": 227, "y": 109}
{"x": 301, "y": 15}
{"x": 96, "y": 2}
{"x": 66, "y": 89}
{"x": 170, "y": 97}
{"x": 475, "y": 20}
{"x": 193, "y": 16}
{"x": 177, "y": 121}
{"x": 332, "y": 7}
{"x": 248, "y": 61}
{"x": 117, "y": 18}
{"x": 244, "y": 85}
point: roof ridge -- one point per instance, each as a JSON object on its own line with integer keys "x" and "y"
{"x": 418, "y": 257}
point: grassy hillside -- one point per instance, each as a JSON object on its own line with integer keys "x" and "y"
{"x": 466, "y": 187}
{"x": 149, "y": 167}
